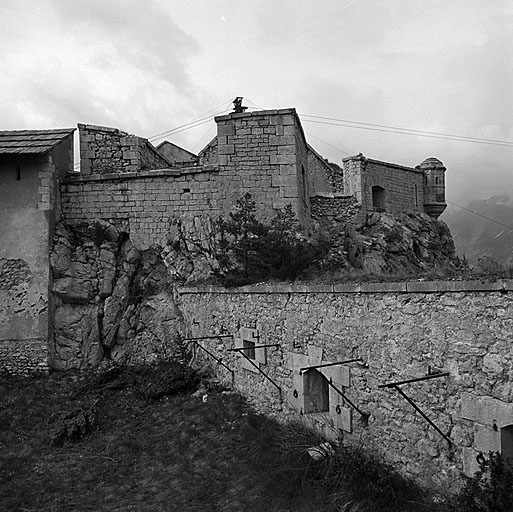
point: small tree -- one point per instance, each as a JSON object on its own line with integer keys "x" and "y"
{"x": 251, "y": 251}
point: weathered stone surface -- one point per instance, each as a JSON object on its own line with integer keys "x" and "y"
{"x": 189, "y": 253}
{"x": 111, "y": 299}
{"x": 76, "y": 337}
{"x": 399, "y": 335}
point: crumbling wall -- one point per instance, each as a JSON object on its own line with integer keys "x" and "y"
{"x": 106, "y": 150}
{"x": 400, "y": 331}
{"x": 330, "y": 210}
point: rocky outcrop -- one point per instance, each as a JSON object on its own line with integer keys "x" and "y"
{"x": 408, "y": 245}
{"x": 191, "y": 249}
{"x": 111, "y": 300}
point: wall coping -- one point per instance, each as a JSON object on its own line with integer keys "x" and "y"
{"x": 392, "y": 165}
{"x": 174, "y": 172}
{"x": 501, "y": 285}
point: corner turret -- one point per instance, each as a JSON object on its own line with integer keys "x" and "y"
{"x": 434, "y": 186}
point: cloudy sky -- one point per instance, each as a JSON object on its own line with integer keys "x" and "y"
{"x": 149, "y": 66}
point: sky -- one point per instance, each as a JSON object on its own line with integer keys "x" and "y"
{"x": 150, "y": 66}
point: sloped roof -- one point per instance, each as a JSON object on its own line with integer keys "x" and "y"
{"x": 31, "y": 141}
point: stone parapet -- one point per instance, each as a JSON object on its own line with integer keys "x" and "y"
{"x": 500, "y": 285}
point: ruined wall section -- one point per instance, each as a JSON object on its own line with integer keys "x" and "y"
{"x": 106, "y": 150}
{"x": 332, "y": 210}
{"x": 324, "y": 177}
{"x": 400, "y": 331}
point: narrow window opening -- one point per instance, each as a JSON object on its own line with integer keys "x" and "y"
{"x": 186, "y": 190}
{"x": 507, "y": 442}
{"x": 249, "y": 348}
{"x": 378, "y": 198}
{"x": 316, "y": 391}
{"x": 18, "y": 173}
{"x": 415, "y": 196}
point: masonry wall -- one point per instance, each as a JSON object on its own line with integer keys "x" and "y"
{"x": 27, "y": 210}
{"x": 146, "y": 200}
{"x": 263, "y": 152}
{"x": 400, "y": 331}
{"x": 109, "y": 150}
{"x": 404, "y": 186}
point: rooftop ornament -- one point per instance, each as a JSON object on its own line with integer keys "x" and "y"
{"x": 237, "y": 105}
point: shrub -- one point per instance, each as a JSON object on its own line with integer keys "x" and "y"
{"x": 250, "y": 251}
{"x": 489, "y": 490}
{"x": 74, "y": 425}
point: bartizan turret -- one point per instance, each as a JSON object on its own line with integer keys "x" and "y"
{"x": 434, "y": 186}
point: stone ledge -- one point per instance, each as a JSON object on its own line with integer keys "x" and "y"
{"x": 79, "y": 178}
{"x": 503, "y": 285}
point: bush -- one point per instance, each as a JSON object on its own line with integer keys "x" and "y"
{"x": 489, "y": 490}
{"x": 74, "y": 425}
{"x": 250, "y": 251}
{"x": 149, "y": 382}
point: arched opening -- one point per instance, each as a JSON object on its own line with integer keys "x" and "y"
{"x": 316, "y": 392}
{"x": 507, "y": 442}
{"x": 378, "y": 198}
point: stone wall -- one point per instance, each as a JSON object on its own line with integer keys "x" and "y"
{"x": 28, "y": 206}
{"x": 331, "y": 210}
{"x": 324, "y": 177}
{"x": 400, "y": 331}
{"x": 147, "y": 200}
{"x": 404, "y": 186}
{"x": 263, "y": 153}
{"x": 109, "y": 150}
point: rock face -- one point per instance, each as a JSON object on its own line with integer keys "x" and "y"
{"x": 408, "y": 245}
{"x": 111, "y": 300}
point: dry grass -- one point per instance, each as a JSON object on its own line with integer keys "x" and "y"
{"x": 176, "y": 452}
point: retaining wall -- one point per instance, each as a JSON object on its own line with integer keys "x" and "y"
{"x": 400, "y": 331}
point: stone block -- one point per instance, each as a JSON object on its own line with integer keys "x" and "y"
{"x": 296, "y": 360}
{"x": 314, "y": 355}
{"x": 289, "y": 191}
{"x": 485, "y": 410}
{"x": 347, "y": 288}
{"x": 470, "y": 464}
{"x": 226, "y": 149}
{"x": 283, "y": 180}
{"x": 382, "y": 287}
{"x": 421, "y": 286}
{"x": 224, "y": 129}
{"x": 282, "y": 159}
{"x": 486, "y": 439}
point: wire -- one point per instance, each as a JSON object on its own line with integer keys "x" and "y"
{"x": 404, "y": 131}
{"x": 480, "y": 215}
{"x": 328, "y": 144}
{"x": 183, "y": 127}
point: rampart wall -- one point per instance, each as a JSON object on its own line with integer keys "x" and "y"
{"x": 400, "y": 331}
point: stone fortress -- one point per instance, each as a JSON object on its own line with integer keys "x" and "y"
{"x": 68, "y": 301}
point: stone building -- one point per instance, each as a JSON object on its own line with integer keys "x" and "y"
{"x": 31, "y": 164}
{"x": 106, "y": 289}
{"x": 125, "y": 180}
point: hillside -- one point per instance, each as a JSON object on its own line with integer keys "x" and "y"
{"x": 477, "y": 237}
{"x": 145, "y": 439}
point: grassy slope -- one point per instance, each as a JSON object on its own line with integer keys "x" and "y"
{"x": 174, "y": 453}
